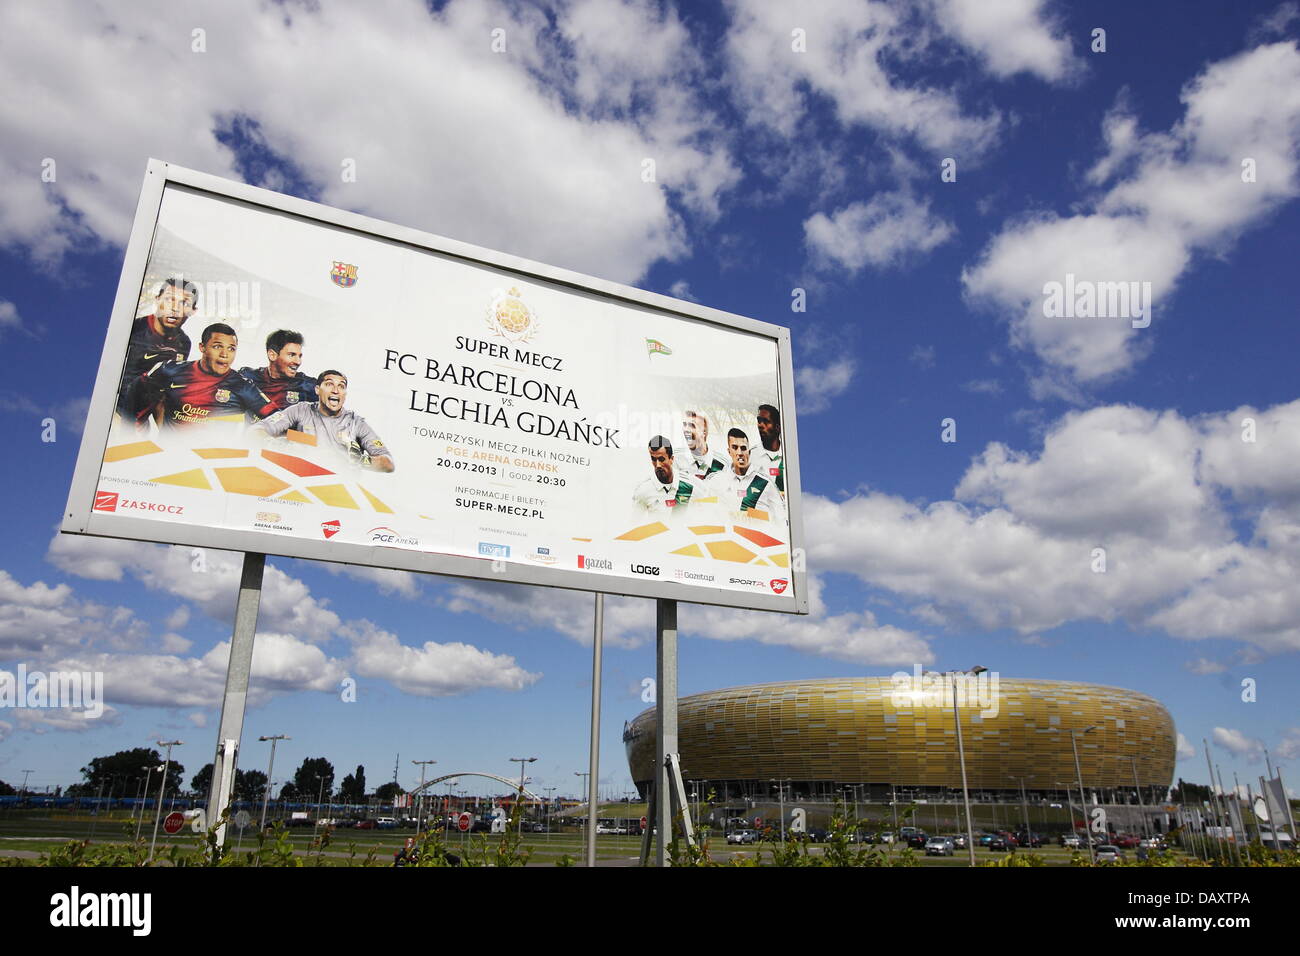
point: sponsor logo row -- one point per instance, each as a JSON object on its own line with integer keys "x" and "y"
{"x": 587, "y": 562}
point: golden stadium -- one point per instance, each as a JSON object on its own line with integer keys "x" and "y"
{"x": 817, "y": 736}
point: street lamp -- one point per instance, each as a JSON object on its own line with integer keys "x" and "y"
{"x": 320, "y": 796}
{"x": 586, "y": 790}
{"x": 780, "y": 795}
{"x": 549, "y": 800}
{"x": 419, "y": 813}
{"x": 961, "y": 755}
{"x": 269, "y": 770}
{"x": 162, "y": 786}
{"x": 26, "y": 774}
{"x": 1083, "y": 796}
{"x": 521, "y": 761}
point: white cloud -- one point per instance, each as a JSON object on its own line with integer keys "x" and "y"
{"x": 681, "y": 289}
{"x": 983, "y": 386}
{"x": 1203, "y": 666}
{"x": 847, "y": 48}
{"x": 1010, "y": 37}
{"x": 435, "y": 670}
{"x": 1237, "y": 743}
{"x": 1016, "y": 547}
{"x": 816, "y": 387}
{"x": 882, "y": 232}
{"x": 618, "y": 89}
{"x": 852, "y": 636}
{"x": 1172, "y": 195}
{"x": 210, "y": 580}
{"x": 37, "y": 619}
{"x": 9, "y": 317}
{"x": 1289, "y": 748}
{"x": 1185, "y": 750}
{"x": 923, "y": 355}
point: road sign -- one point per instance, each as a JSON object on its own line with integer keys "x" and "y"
{"x": 644, "y": 823}
{"x": 242, "y": 819}
{"x": 463, "y": 822}
{"x": 173, "y": 822}
{"x": 758, "y": 821}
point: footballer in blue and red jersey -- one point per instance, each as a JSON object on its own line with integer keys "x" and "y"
{"x": 281, "y": 381}
{"x": 207, "y": 390}
{"x": 157, "y": 338}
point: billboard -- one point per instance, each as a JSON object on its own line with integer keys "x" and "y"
{"x": 286, "y": 378}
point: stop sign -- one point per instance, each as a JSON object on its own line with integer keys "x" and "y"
{"x": 173, "y": 822}
{"x": 463, "y": 821}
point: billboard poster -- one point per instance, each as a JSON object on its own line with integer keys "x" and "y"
{"x": 318, "y": 390}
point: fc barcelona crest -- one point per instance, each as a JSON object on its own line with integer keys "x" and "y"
{"x": 344, "y": 275}
{"x": 291, "y": 397}
{"x": 222, "y": 396}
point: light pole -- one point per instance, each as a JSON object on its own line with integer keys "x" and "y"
{"x": 780, "y": 796}
{"x": 419, "y": 813}
{"x": 162, "y": 786}
{"x": 549, "y": 800}
{"x": 961, "y": 755}
{"x": 26, "y": 774}
{"x": 588, "y": 833}
{"x": 1146, "y": 830}
{"x": 521, "y": 761}
{"x": 142, "y": 795}
{"x": 1083, "y": 796}
{"x": 270, "y": 768}
{"x": 1029, "y": 834}
{"x": 320, "y": 796}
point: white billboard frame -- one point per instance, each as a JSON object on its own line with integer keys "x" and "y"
{"x": 79, "y": 517}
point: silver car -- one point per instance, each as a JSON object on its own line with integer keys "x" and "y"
{"x": 939, "y": 846}
{"x": 1109, "y": 853}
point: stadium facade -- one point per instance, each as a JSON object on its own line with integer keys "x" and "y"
{"x": 893, "y": 739}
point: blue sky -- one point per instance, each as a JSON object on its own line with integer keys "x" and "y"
{"x": 776, "y": 169}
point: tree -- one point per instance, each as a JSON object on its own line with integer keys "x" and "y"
{"x": 353, "y": 788}
{"x": 124, "y": 772}
{"x": 385, "y": 792}
{"x": 6, "y": 790}
{"x": 201, "y": 783}
{"x": 307, "y": 781}
{"x": 289, "y": 793}
{"x": 249, "y": 785}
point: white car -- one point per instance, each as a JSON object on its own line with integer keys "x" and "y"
{"x": 1109, "y": 853}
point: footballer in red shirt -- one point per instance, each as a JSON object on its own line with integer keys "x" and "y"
{"x": 207, "y": 390}
{"x": 281, "y": 381}
{"x": 158, "y": 337}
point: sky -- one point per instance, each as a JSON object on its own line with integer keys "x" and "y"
{"x": 898, "y": 183}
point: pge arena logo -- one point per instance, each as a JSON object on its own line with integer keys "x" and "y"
{"x": 510, "y": 317}
{"x": 388, "y": 536}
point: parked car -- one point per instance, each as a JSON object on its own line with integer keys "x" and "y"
{"x": 386, "y": 823}
{"x": 939, "y": 846}
{"x": 998, "y": 842}
{"x": 743, "y": 836}
{"x": 984, "y": 839}
{"x": 917, "y": 840}
{"x": 959, "y": 841}
{"x": 885, "y": 837}
{"x": 1109, "y": 853}
{"x": 1071, "y": 841}
{"x": 365, "y": 824}
{"x": 1127, "y": 841}
{"x": 1028, "y": 839}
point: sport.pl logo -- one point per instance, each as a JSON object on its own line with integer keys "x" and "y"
{"x": 779, "y": 585}
{"x": 330, "y": 528}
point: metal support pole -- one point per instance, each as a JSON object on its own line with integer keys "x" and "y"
{"x": 1083, "y": 797}
{"x": 237, "y": 674}
{"x": 270, "y": 769}
{"x": 965, "y": 790}
{"x": 593, "y": 770}
{"x": 665, "y": 719}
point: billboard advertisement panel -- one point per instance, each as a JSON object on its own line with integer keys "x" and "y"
{"x": 286, "y": 378}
